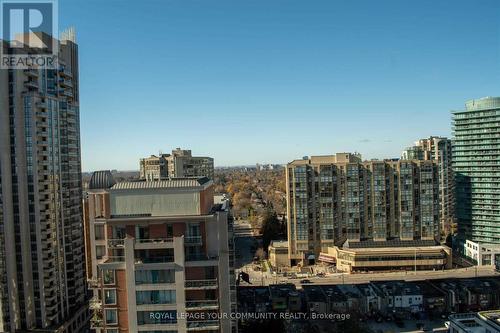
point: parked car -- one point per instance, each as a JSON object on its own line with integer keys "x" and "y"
{"x": 305, "y": 281}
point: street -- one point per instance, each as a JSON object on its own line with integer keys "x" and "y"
{"x": 246, "y": 245}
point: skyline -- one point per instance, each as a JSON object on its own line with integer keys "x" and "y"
{"x": 245, "y": 79}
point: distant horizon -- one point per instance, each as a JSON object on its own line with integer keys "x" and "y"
{"x": 248, "y": 165}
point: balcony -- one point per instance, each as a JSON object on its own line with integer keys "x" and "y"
{"x": 94, "y": 283}
{"x": 202, "y": 305}
{"x": 66, "y": 92}
{"x": 31, "y": 84}
{"x": 31, "y": 72}
{"x": 65, "y": 83}
{"x": 154, "y": 243}
{"x": 116, "y": 243}
{"x": 65, "y": 73}
{"x": 154, "y": 260}
{"x": 200, "y": 284}
{"x": 95, "y": 303}
{"x": 112, "y": 259}
{"x": 96, "y": 322}
{"x": 201, "y": 259}
{"x": 206, "y": 325}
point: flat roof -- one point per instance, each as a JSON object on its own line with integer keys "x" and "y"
{"x": 188, "y": 182}
{"x": 279, "y": 243}
{"x": 389, "y": 243}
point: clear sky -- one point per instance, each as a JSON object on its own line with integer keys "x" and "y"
{"x": 274, "y": 80}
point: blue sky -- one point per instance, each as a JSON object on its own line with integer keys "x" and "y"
{"x": 271, "y": 81}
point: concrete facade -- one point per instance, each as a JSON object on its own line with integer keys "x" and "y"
{"x": 181, "y": 163}
{"x": 41, "y": 197}
{"x": 483, "y": 254}
{"x": 438, "y": 149}
{"x": 165, "y": 267}
{"x": 331, "y": 199}
{"x": 278, "y": 254}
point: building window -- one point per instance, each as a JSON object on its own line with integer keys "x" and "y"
{"x": 109, "y": 296}
{"x": 155, "y": 297}
{"x": 111, "y": 316}
{"x": 99, "y": 231}
{"x": 156, "y": 317}
{"x": 155, "y": 276}
{"x": 108, "y": 276}
{"x": 100, "y": 250}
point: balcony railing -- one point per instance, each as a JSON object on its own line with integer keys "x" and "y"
{"x": 96, "y": 321}
{"x": 116, "y": 242}
{"x": 202, "y": 325}
{"x": 31, "y": 72}
{"x": 95, "y": 303}
{"x": 200, "y": 283}
{"x": 154, "y": 240}
{"x": 203, "y": 304}
{"x": 199, "y": 257}
{"x": 109, "y": 259}
{"x": 154, "y": 260}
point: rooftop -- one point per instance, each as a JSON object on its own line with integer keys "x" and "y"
{"x": 101, "y": 180}
{"x": 394, "y": 242}
{"x": 314, "y": 293}
{"x": 283, "y": 290}
{"x": 279, "y": 243}
{"x": 391, "y": 288}
{"x": 163, "y": 184}
{"x": 334, "y": 293}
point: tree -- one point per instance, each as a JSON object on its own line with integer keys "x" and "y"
{"x": 271, "y": 228}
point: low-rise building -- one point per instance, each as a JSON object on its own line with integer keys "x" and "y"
{"x": 337, "y": 300}
{"x": 483, "y": 254}
{"x": 285, "y": 297}
{"x": 278, "y": 254}
{"x": 354, "y": 256}
{"x": 315, "y": 298}
{"x": 434, "y": 298}
{"x": 371, "y": 300}
{"x": 464, "y": 295}
{"x": 399, "y": 297}
{"x": 482, "y": 322}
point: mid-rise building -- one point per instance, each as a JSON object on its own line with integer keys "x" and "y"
{"x": 339, "y": 200}
{"x": 42, "y": 268}
{"x": 438, "y": 149}
{"x": 160, "y": 254}
{"x": 476, "y": 163}
{"x": 181, "y": 163}
{"x": 154, "y": 167}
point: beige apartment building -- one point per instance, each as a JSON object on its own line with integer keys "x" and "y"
{"x": 159, "y": 256}
{"x": 340, "y": 202}
{"x": 181, "y": 163}
{"x": 438, "y": 149}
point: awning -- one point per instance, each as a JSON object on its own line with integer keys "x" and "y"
{"x": 327, "y": 258}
